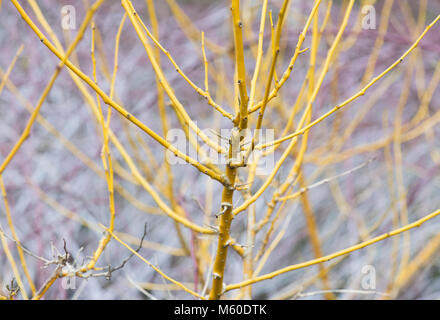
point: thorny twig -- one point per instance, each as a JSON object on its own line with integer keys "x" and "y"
{"x": 66, "y": 265}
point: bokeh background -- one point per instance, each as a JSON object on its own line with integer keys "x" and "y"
{"x": 56, "y": 195}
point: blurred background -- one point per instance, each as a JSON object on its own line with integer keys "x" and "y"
{"x": 55, "y": 191}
